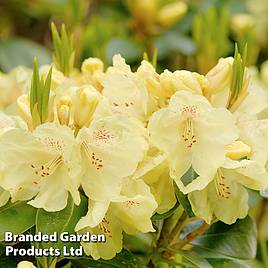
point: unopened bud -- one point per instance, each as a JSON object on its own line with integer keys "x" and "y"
{"x": 219, "y": 77}
{"x": 23, "y": 106}
{"x": 237, "y": 150}
{"x": 91, "y": 65}
{"x": 86, "y": 102}
{"x": 171, "y": 13}
{"x": 64, "y": 110}
{"x": 144, "y": 10}
{"x": 181, "y": 80}
{"x": 241, "y": 23}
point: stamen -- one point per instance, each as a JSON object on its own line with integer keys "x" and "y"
{"x": 48, "y": 168}
{"x": 103, "y": 226}
{"x": 188, "y": 136}
{"x": 221, "y": 188}
{"x": 130, "y": 204}
{"x": 94, "y": 160}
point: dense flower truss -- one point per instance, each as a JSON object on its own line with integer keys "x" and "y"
{"x": 128, "y": 141}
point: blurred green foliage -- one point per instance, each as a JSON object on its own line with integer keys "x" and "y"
{"x": 190, "y": 34}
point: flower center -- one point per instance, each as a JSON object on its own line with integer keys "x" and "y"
{"x": 104, "y": 227}
{"x": 188, "y": 135}
{"x": 222, "y": 189}
{"x": 95, "y": 161}
{"x": 48, "y": 168}
{"x": 189, "y": 112}
{"x": 54, "y": 145}
{"x": 102, "y": 136}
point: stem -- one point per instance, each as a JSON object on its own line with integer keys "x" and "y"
{"x": 264, "y": 254}
{"x": 178, "y": 228}
{"x": 173, "y": 235}
{"x": 191, "y": 236}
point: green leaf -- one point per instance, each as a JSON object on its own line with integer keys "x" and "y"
{"x": 35, "y": 86}
{"x": 39, "y": 95}
{"x": 223, "y": 263}
{"x": 19, "y": 51}
{"x": 125, "y": 259}
{"x": 165, "y": 215}
{"x": 61, "y": 221}
{"x": 183, "y": 200}
{"x": 45, "y": 95}
{"x": 9, "y": 262}
{"x": 63, "y": 47}
{"x": 189, "y": 176}
{"x": 195, "y": 259}
{"x": 228, "y": 241}
{"x": 16, "y": 218}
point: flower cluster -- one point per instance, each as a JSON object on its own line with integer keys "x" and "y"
{"x": 127, "y": 139}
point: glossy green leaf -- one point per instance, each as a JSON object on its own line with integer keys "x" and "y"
{"x": 195, "y": 259}
{"x": 61, "y": 221}
{"x": 19, "y": 51}
{"x": 9, "y": 262}
{"x": 125, "y": 259}
{"x": 16, "y": 218}
{"x": 228, "y": 241}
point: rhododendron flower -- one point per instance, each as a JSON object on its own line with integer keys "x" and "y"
{"x": 131, "y": 213}
{"x": 192, "y": 134}
{"x": 155, "y": 173}
{"x": 226, "y": 196}
{"x": 126, "y": 93}
{"x": 43, "y": 164}
{"x": 111, "y": 149}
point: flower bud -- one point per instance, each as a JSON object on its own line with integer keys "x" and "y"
{"x": 219, "y": 77}
{"x": 91, "y": 65}
{"x": 144, "y": 10}
{"x": 181, "y": 80}
{"x": 23, "y": 107}
{"x": 64, "y": 110}
{"x": 25, "y": 264}
{"x": 241, "y": 23}
{"x": 85, "y": 104}
{"x": 237, "y": 150}
{"x": 171, "y": 13}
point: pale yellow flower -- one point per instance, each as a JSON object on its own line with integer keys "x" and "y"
{"x": 131, "y": 213}
{"x": 44, "y": 165}
{"x": 111, "y": 149}
{"x": 185, "y": 130}
{"x": 127, "y": 94}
